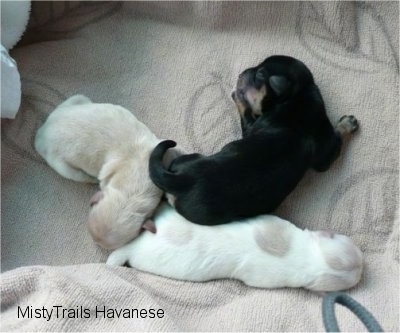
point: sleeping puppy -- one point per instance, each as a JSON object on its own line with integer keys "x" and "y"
{"x": 264, "y": 252}
{"x": 286, "y": 132}
{"x": 105, "y": 143}
{"x": 284, "y": 85}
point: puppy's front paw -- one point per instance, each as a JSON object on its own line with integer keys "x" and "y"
{"x": 347, "y": 125}
{"x": 116, "y": 258}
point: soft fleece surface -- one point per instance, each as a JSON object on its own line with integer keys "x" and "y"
{"x": 174, "y": 65}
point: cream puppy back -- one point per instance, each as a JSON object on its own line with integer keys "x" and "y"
{"x": 264, "y": 252}
{"x": 105, "y": 143}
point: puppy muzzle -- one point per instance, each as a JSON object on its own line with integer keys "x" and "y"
{"x": 250, "y": 91}
{"x": 245, "y": 81}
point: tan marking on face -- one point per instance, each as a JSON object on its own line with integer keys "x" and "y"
{"x": 240, "y": 106}
{"x": 273, "y": 238}
{"x": 255, "y": 98}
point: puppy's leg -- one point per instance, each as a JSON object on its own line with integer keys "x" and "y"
{"x": 69, "y": 172}
{"x": 119, "y": 257}
{"x": 346, "y": 125}
{"x": 328, "y": 150}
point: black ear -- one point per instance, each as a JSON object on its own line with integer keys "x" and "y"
{"x": 279, "y": 84}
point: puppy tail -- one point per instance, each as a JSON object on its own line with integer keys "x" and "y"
{"x": 166, "y": 180}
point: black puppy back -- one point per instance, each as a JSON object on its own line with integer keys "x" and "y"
{"x": 252, "y": 176}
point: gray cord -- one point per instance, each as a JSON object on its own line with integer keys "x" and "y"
{"x": 329, "y": 317}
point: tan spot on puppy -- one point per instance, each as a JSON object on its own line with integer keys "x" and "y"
{"x": 180, "y": 236}
{"x": 240, "y": 106}
{"x": 348, "y": 261}
{"x": 273, "y": 238}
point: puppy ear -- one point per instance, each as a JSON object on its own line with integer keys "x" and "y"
{"x": 279, "y": 84}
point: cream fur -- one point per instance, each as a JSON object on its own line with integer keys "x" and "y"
{"x": 234, "y": 250}
{"x": 105, "y": 143}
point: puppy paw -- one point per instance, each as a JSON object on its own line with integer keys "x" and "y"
{"x": 117, "y": 258}
{"x": 347, "y": 125}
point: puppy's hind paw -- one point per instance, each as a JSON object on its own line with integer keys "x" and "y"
{"x": 347, "y": 125}
{"x": 116, "y": 258}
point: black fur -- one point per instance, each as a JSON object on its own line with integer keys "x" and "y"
{"x": 254, "y": 175}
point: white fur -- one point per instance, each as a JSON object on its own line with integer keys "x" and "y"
{"x": 186, "y": 251}
{"x": 91, "y": 142}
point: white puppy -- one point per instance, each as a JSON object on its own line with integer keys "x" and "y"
{"x": 264, "y": 252}
{"x": 105, "y": 143}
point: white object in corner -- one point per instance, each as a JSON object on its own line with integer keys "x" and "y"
{"x": 14, "y": 19}
{"x": 10, "y": 86}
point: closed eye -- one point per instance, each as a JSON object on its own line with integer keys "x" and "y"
{"x": 260, "y": 75}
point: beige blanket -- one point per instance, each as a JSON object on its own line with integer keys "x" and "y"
{"x": 174, "y": 65}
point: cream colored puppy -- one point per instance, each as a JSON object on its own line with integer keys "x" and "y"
{"x": 264, "y": 252}
{"x": 105, "y": 143}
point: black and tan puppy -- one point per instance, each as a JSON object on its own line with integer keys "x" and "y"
{"x": 286, "y": 131}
